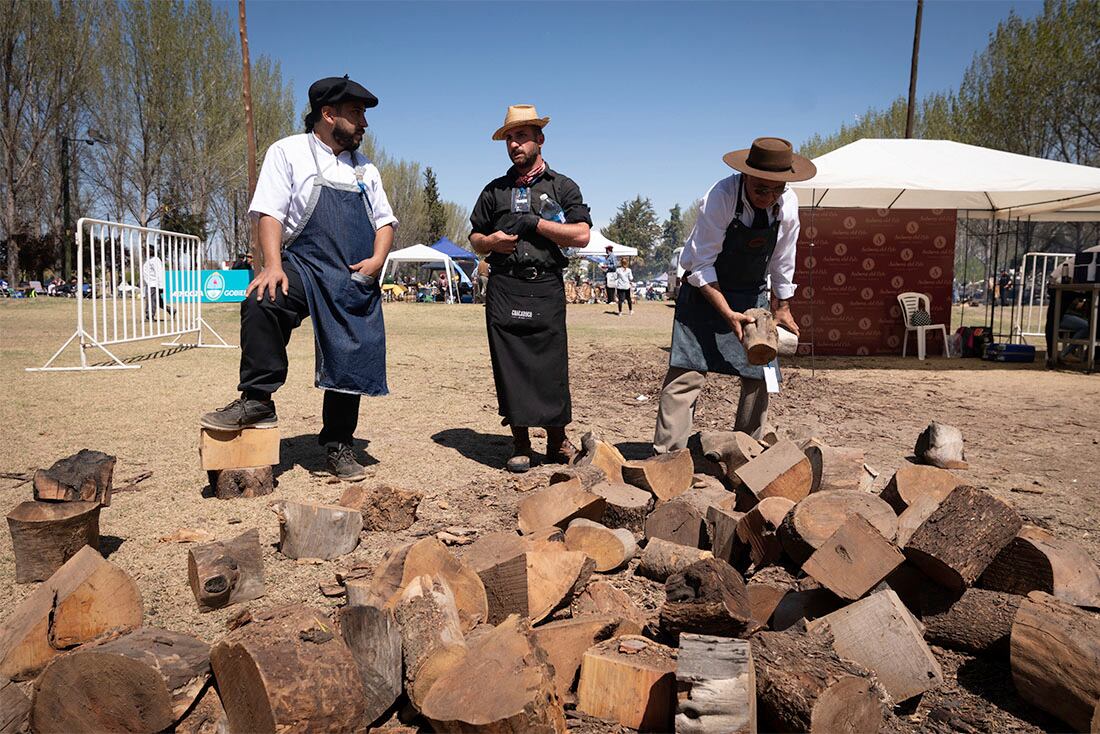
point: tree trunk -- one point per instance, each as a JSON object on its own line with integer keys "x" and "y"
{"x": 759, "y": 529}
{"x": 383, "y": 507}
{"x": 722, "y": 530}
{"x": 557, "y": 505}
{"x": 255, "y": 481}
{"x": 84, "y": 476}
{"x": 601, "y": 455}
{"x": 835, "y": 467}
{"x": 766, "y": 589}
{"x": 15, "y": 708}
{"x": 717, "y": 684}
{"x": 626, "y": 506}
{"x": 911, "y": 481}
{"x": 45, "y": 535}
{"x": 610, "y": 549}
{"x": 683, "y": 520}
{"x": 978, "y": 622}
{"x": 226, "y": 572}
{"x": 813, "y": 521}
{"x": 431, "y": 634}
{"x": 566, "y": 641}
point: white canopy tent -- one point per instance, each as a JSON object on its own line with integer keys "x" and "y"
{"x": 424, "y": 254}
{"x": 597, "y": 245}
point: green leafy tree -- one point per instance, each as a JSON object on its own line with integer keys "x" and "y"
{"x": 437, "y": 215}
{"x": 635, "y": 224}
{"x": 672, "y": 236}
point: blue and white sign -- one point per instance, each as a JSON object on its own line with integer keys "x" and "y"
{"x": 215, "y": 286}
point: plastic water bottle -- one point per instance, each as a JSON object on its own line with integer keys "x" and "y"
{"x": 550, "y": 209}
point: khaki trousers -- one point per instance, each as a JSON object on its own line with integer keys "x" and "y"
{"x": 677, "y": 408}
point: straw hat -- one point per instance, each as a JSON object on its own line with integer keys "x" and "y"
{"x": 772, "y": 159}
{"x": 518, "y": 116}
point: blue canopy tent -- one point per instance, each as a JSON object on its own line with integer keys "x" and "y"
{"x": 453, "y": 251}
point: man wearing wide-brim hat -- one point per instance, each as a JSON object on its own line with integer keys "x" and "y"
{"x": 746, "y": 231}
{"x": 520, "y": 223}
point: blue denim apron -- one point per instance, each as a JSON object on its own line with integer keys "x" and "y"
{"x": 337, "y": 231}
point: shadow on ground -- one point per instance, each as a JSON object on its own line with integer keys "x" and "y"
{"x": 491, "y": 450}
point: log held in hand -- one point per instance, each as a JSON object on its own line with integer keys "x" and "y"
{"x": 761, "y": 340}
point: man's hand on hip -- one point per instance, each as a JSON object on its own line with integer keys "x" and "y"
{"x": 271, "y": 279}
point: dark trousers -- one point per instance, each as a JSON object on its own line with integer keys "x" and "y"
{"x": 265, "y": 332}
{"x": 626, "y": 294}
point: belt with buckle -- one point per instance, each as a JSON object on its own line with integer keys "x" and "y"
{"x": 528, "y": 272}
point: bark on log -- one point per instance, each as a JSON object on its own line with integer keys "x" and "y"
{"x": 759, "y": 336}
{"x": 960, "y": 539}
{"x": 854, "y": 559}
{"x": 312, "y": 530}
{"x": 15, "y": 708}
{"x": 566, "y": 641}
{"x": 941, "y": 445}
{"x": 683, "y": 520}
{"x": 631, "y": 680}
{"x": 226, "y": 572}
{"x": 662, "y": 558}
{"x": 717, "y": 683}
{"x": 665, "y": 475}
{"x": 600, "y": 598}
{"x": 588, "y": 475}
{"x": 431, "y": 635}
{"x": 603, "y": 456}
{"x": 803, "y": 686}
{"x": 87, "y": 597}
{"x": 977, "y": 622}
{"x": 1035, "y": 560}
{"x": 374, "y": 640}
{"x": 288, "y": 671}
{"x": 206, "y": 717}
{"x": 609, "y": 548}
{"x": 505, "y": 684}
{"x": 722, "y": 530}
{"x": 242, "y": 483}
{"x": 1055, "y": 651}
{"x": 731, "y": 449}
{"x": 384, "y": 508}
{"x": 625, "y": 506}
{"x": 813, "y": 521}
{"x": 44, "y": 535}
{"x": 759, "y": 529}
{"x": 85, "y": 476}
{"x": 834, "y": 467}
{"x": 708, "y": 597}
{"x": 557, "y": 505}
{"x": 911, "y": 481}
{"x": 781, "y": 471}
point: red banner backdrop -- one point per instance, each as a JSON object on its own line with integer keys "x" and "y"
{"x": 862, "y": 259}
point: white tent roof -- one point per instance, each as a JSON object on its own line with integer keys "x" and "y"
{"x": 597, "y": 245}
{"x": 417, "y": 254}
{"x": 942, "y": 174}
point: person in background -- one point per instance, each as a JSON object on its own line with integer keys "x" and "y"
{"x": 625, "y": 283}
{"x": 152, "y": 280}
{"x": 610, "y": 267}
{"x": 1075, "y": 320}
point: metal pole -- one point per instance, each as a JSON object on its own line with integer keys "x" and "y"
{"x": 913, "y": 72}
{"x": 66, "y": 222}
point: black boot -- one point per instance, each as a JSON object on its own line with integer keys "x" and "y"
{"x": 558, "y": 448}
{"x": 521, "y": 451}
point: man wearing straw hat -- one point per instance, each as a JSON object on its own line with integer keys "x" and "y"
{"x": 746, "y": 231}
{"x": 521, "y": 222}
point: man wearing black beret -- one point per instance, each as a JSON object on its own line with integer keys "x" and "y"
{"x": 325, "y": 228}
{"x": 521, "y": 222}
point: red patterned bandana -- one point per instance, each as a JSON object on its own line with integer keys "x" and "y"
{"x": 533, "y": 175}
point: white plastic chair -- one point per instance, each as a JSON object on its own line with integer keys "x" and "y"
{"x": 910, "y": 303}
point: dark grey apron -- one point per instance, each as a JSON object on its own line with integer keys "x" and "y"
{"x": 701, "y": 339}
{"x": 337, "y": 231}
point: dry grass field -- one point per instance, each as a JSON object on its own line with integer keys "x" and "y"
{"x": 1032, "y": 437}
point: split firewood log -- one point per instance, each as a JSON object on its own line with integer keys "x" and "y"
{"x": 383, "y": 507}
{"x": 911, "y": 481}
{"x": 601, "y": 599}
{"x": 226, "y": 572}
{"x": 781, "y": 471}
{"x": 941, "y": 445}
{"x": 854, "y": 559}
{"x": 834, "y": 467}
{"x": 602, "y": 455}
{"x": 759, "y": 336}
{"x": 431, "y": 635}
{"x": 717, "y": 683}
{"x": 625, "y": 506}
{"x": 631, "y": 680}
{"x": 759, "y": 529}
{"x": 1036, "y": 560}
{"x": 288, "y": 670}
{"x": 813, "y": 520}
{"x": 313, "y": 530}
{"x": 242, "y": 482}
{"x": 724, "y": 542}
{"x": 557, "y": 505}
{"x": 374, "y": 639}
{"x": 609, "y": 548}
{"x": 665, "y": 475}
{"x": 706, "y": 598}
{"x": 15, "y": 708}
{"x": 45, "y": 534}
{"x": 662, "y": 558}
{"x": 684, "y": 519}
{"x": 766, "y": 589}
{"x": 977, "y": 621}
{"x": 733, "y": 449}
{"x": 85, "y": 598}
{"x": 85, "y": 476}
{"x": 566, "y": 641}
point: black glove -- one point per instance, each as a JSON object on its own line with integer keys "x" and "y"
{"x": 518, "y": 223}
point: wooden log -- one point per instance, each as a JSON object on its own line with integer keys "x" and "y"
{"x": 662, "y": 558}
{"x": 602, "y": 455}
{"x": 766, "y": 589}
{"x": 804, "y": 605}
{"x": 85, "y": 598}
{"x": 854, "y": 559}
{"x": 557, "y": 505}
{"x": 530, "y": 583}
{"x": 813, "y": 521}
{"x": 431, "y": 634}
{"x": 372, "y": 636}
{"x": 154, "y": 678}
{"x": 85, "y": 476}
{"x": 803, "y": 686}
{"x": 505, "y": 684}
{"x": 312, "y": 530}
{"x": 206, "y": 717}
{"x": 44, "y": 535}
{"x": 589, "y": 475}
{"x": 600, "y": 598}
{"x": 965, "y": 533}
{"x": 834, "y": 467}
{"x": 553, "y": 579}
{"x": 759, "y": 529}
{"x": 247, "y": 447}
{"x": 625, "y": 506}
{"x": 977, "y": 621}
{"x": 733, "y": 449}
{"x": 717, "y": 686}
{"x": 911, "y": 481}
{"x": 781, "y": 471}
{"x": 15, "y": 708}
{"x": 384, "y": 508}
{"x": 609, "y": 548}
{"x": 631, "y": 680}
{"x": 721, "y": 523}
{"x": 1036, "y": 560}
{"x": 269, "y": 672}
{"x": 665, "y": 475}
{"x": 566, "y": 641}
{"x": 1055, "y": 650}
{"x": 880, "y": 634}
{"x": 708, "y": 597}
{"x": 759, "y": 336}
{"x": 915, "y": 515}
{"x": 226, "y": 572}
{"x": 683, "y": 519}
{"x": 242, "y": 483}
{"x": 941, "y": 445}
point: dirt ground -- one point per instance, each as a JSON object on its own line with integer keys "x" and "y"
{"x": 1032, "y": 437}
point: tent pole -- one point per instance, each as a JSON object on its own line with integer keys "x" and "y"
{"x": 991, "y": 270}
{"x": 813, "y": 262}
{"x": 966, "y": 269}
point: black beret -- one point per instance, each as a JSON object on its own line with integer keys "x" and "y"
{"x": 336, "y": 89}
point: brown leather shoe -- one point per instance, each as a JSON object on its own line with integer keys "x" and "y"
{"x": 559, "y": 450}
{"x": 520, "y": 460}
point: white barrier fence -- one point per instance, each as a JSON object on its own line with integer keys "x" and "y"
{"x": 139, "y": 283}
{"x": 1031, "y": 293}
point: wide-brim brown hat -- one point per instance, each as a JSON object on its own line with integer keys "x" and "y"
{"x": 520, "y": 115}
{"x": 773, "y": 159}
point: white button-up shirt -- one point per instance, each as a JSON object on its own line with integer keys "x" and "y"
{"x": 286, "y": 180}
{"x": 716, "y": 211}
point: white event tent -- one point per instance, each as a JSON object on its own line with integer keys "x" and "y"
{"x": 597, "y": 245}
{"x": 428, "y": 255}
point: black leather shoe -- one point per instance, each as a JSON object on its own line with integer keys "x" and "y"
{"x": 342, "y": 463}
{"x": 242, "y": 413}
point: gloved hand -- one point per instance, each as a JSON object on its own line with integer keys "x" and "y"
{"x": 519, "y": 223}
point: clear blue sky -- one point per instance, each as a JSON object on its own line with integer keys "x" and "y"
{"x": 644, "y": 97}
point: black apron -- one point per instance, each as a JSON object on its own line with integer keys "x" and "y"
{"x": 701, "y": 339}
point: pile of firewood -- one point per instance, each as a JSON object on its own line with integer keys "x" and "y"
{"x": 791, "y": 598}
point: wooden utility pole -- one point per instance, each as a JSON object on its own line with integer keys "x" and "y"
{"x": 912, "y": 69}
{"x": 250, "y": 131}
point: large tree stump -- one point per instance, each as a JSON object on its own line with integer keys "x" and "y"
{"x": 803, "y": 686}
{"x": 662, "y": 558}
{"x": 834, "y": 467}
{"x": 1056, "y": 658}
{"x": 557, "y": 505}
{"x": 85, "y": 598}
{"x": 683, "y": 520}
{"x": 978, "y": 622}
{"x": 374, "y": 640}
{"x": 603, "y": 456}
{"x": 609, "y": 548}
{"x": 911, "y": 481}
{"x": 880, "y": 634}
{"x": 288, "y": 671}
{"x": 226, "y": 572}
{"x": 383, "y": 507}
{"x": 759, "y": 529}
{"x": 965, "y": 533}
{"x": 15, "y": 708}
{"x": 759, "y": 336}
{"x": 717, "y": 684}
{"x": 1036, "y": 560}
{"x": 781, "y": 471}
{"x": 242, "y": 482}
{"x": 665, "y": 475}
{"x": 708, "y": 597}
{"x": 504, "y": 684}
{"x": 44, "y": 535}
{"x": 625, "y": 506}
{"x": 312, "y": 530}
{"x": 854, "y": 559}
{"x": 143, "y": 681}
{"x": 813, "y": 521}
{"x": 566, "y": 641}
{"x": 941, "y": 445}
{"x": 631, "y": 680}
{"x": 85, "y": 476}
